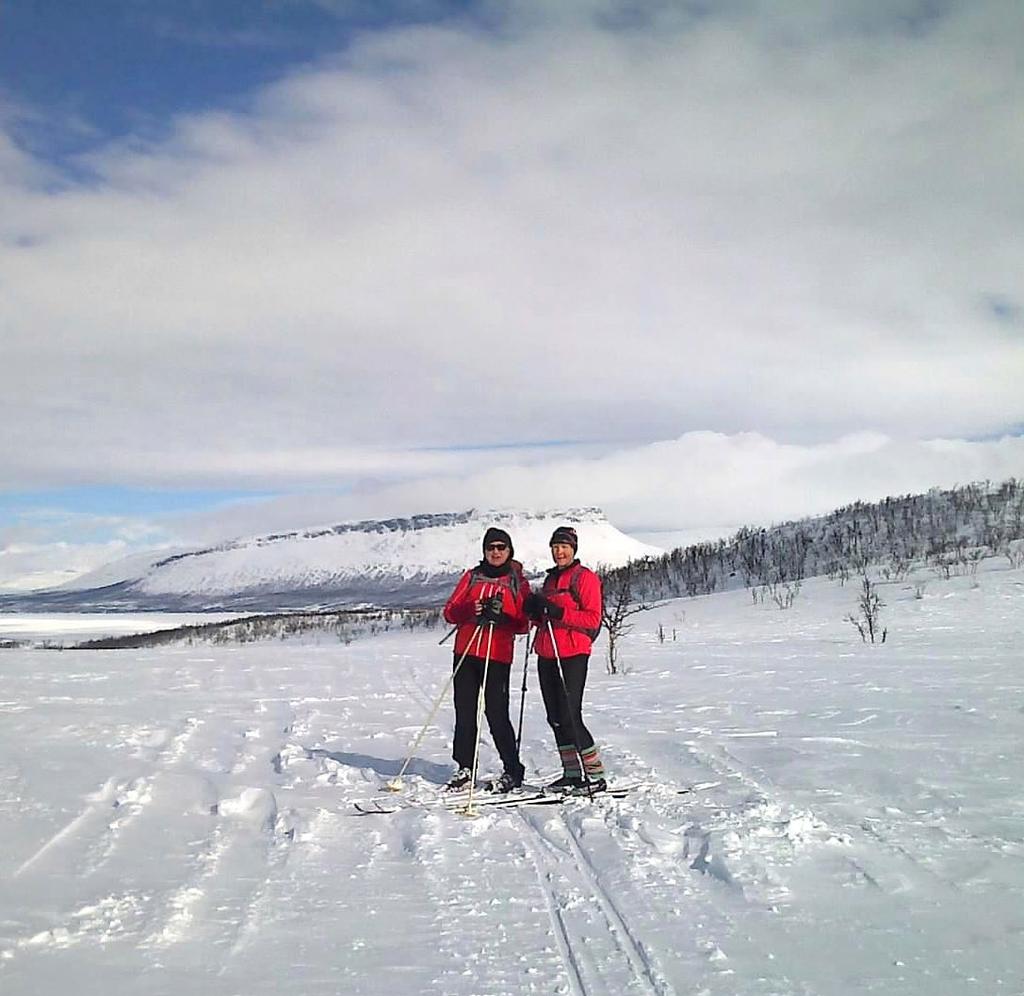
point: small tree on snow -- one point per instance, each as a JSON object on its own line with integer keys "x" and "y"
{"x": 618, "y": 606}
{"x": 870, "y": 605}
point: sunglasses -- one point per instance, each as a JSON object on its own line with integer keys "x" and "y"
{"x": 496, "y": 546}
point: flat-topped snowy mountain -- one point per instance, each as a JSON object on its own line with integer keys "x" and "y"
{"x": 410, "y": 561}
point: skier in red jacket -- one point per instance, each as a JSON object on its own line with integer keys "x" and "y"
{"x": 487, "y": 607}
{"x": 568, "y": 609}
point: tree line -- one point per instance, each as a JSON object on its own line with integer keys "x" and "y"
{"x": 949, "y": 529}
{"x": 344, "y": 625}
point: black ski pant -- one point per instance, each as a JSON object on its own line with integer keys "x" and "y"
{"x": 468, "y": 680}
{"x": 565, "y": 706}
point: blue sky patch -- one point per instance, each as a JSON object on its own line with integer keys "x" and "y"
{"x": 129, "y": 502}
{"x": 81, "y": 74}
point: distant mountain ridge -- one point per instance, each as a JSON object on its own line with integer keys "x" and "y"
{"x": 387, "y": 562}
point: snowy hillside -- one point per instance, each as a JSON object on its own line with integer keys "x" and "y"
{"x": 394, "y": 561}
{"x": 183, "y": 820}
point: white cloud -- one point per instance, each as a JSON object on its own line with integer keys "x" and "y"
{"x": 45, "y": 547}
{"x": 698, "y": 486}
{"x": 27, "y": 567}
{"x": 769, "y": 236}
{"x": 742, "y": 222}
{"x": 699, "y": 481}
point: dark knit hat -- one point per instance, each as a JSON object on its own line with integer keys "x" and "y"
{"x": 495, "y": 535}
{"x": 565, "y": 534}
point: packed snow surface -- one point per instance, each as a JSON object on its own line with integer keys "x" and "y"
{"x": 183, "y": 820}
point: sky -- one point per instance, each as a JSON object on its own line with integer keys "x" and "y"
{"x": 269, "y": 265}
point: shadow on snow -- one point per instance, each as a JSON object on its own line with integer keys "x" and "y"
{"x": 387, "y": 767}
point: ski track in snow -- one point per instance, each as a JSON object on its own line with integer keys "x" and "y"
{"x": 570, "y": 882}
{"x": 855, "y": 824}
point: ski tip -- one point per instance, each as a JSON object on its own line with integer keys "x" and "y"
{"x": 375, "y": 809}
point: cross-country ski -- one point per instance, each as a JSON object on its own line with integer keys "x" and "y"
{"x": 460, "y": 803}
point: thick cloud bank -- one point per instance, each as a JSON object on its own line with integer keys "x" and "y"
{"x": 582, "y": 226}
{"x": 407, "y": 270}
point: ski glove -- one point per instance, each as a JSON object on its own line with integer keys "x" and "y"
{"x": 537, "y": 607}
{"x": 553, "y": 610}
{"x": 491, "y": 610}
{"x": 533, "y": 606}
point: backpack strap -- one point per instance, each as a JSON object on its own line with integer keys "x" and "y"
{"x": 574, "y": 590}
{"x": 510, "y": 580}
{"x": 574, "y": 585}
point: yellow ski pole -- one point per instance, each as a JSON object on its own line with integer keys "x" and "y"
{"x": 395, "y": 785}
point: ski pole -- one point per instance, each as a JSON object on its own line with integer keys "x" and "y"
{"x": 568, "y": 709}
{"x": 522, "y": 700}
{"x": 395, "y": 785}
{"x": 444, "y": 639}
{"x": 481, "y": 697}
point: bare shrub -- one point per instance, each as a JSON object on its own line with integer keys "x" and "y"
{"x": 870, "y": 605}
{"x": 619, "y": 605}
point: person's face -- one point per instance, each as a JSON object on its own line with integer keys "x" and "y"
{"x": 496, "y": 553}
{"x": 561, "y": 554}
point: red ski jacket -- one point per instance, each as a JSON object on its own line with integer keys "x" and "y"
{"x": 577, "y": 589}
{"x": 460, "y": 610}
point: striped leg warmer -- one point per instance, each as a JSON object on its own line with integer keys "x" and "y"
{"x": 570, "y": 761}
{"x": 592, "y": 763}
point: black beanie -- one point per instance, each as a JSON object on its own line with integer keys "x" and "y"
{"x": 495, "y": 535}
{"x": 565, "y": 534}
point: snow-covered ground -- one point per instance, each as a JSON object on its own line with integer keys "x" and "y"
{"x": 182, "y": 820}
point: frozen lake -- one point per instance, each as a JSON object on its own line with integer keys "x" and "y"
{"x": 75, "y": 627}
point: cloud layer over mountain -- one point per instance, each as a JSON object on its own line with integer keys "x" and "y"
{"x": 457, "y": 255}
